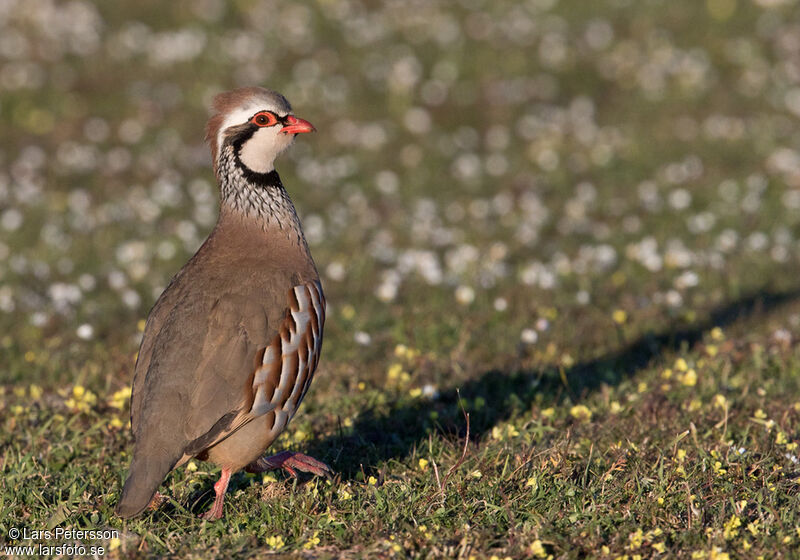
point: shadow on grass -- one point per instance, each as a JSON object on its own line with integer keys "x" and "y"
{"x": 378, "y": 437}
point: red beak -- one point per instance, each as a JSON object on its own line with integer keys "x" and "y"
{"x": 296, "y": 126}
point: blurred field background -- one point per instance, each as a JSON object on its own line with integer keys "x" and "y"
{"x": 575, "y": 222}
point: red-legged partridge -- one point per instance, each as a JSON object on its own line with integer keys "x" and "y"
{"x": 231, "y": 346}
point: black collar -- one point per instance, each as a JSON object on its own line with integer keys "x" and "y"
{"x": 264, "y": 180}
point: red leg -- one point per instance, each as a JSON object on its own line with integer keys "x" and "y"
{"x": 219, "y": 489}
{"x": 291, "y": 462}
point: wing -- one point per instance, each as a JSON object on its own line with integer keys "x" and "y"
{"x": 289, "y": 362}
{"x": 214, "y": 365}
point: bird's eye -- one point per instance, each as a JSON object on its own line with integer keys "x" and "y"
{"x": 264, "y": 118}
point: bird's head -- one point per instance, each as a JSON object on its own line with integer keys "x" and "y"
{"x": 256, "y": 123}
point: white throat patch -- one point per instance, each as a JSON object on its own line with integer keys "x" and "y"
{"x": 258, "y": 152}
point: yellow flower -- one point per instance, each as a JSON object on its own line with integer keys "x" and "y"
{"x": 344, "y": 494}
{"x": 423, "y": 464}
{"x": 423, "y": 529}
{"x": 681, "y": 365}
{"x": 415, "y": 392}
{"x": 742, "y": 504}
{"x": 659, "y": 547}
{"x": 312, "y": 542}
{"x": 394, "y": 371}
{"x": 372, "y": 481}
{"x": 120, "y": 398}
{"x": 581, "y": 412}
{"x": 780, "y": 438}
{"x": 717, "y": 554}
{"x": 666, "y": 374}
{"x": 717, "y": 334}
{"x": 635, "y": 539}
{"x": 114, "y": 543}
{"x": 82, "y": 399}
{"x": 191, "y": 466}
{"x": 760, "y": 414}
{"x": 533, "y": 483}
{"x": 361, "y": 385}
{"x": 497, "y": 433}
{"x": 619, "y": 316}
{"x": 115, "y": 423}
{"x": 476, "y": 474}
{"x": 731, "y": 528}
{"x": 19, "y": 391}
{"x": 537, "y": 549}
{"x": 712, "y": 350}
{"x": 548, "y": 412}
{"x": 720, "y": 401}
{"x": 35, "y": 391}
{"x": 275, "y": 542}
{"x": 348, "y": 312}
{"x": 615, "y": 407}
{"x": 301, "y": 435}
{"x": 689, "y": 378}
{"x": 405, "y": 353}
{"x": 642, "y": 387}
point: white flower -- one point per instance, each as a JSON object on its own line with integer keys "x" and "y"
{"x": 85, "y": 331}
{"x": 362, "y": 338}
{"x": 529, "y": 336}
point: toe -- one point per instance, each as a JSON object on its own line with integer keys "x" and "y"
{"x": 308, "y": 464}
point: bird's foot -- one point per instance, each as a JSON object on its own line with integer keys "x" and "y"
{"x": 213, "y": 514}
{"x": 290, "y": 462}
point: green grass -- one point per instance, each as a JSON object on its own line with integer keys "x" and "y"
{"x": 567, "y": 230}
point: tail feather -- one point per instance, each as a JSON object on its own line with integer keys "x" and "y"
{"x": 145, "y": 476}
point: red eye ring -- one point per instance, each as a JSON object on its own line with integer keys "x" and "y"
{"x": 264, "y": 118}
